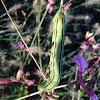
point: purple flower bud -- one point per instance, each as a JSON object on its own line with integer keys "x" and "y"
{"x": 20, "y": 45}
{"x": 80, "y": 62}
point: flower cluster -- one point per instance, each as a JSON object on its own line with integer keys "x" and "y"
{"x": 89, "y": 41}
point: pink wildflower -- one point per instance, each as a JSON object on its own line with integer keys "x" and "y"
{"x": 50, "y": 10}
{"x": 19, "y": 74}
{"x": 4, "y": 81}
{"x": 89, "y": 37}
{"x": 84, "y": 46}
{"x": 80, "y": 62}
{"x": 51, "y": 1}
{"x": 95, "y": 46}
{"x": 20, "y": 45}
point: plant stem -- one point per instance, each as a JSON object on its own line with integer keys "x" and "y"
{"x": 23, "y": 40}
{"x": 29, "y": 95}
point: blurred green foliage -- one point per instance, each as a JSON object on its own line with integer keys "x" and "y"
{"x": 82, "y": 16}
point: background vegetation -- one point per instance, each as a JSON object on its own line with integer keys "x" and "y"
{"x": 82, "y": 16}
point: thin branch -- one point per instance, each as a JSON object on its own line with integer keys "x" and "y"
{"x": 23, "y": 40}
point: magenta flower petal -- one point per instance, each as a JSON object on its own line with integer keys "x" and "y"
{"x": 80, "y": 62}
{"x": 50, "y": 10}
{"x": 51, "y": 1}
{"x": 20, "y": 45}
{"x": 95, "y": 46}
{"x": 84, "y": 46}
